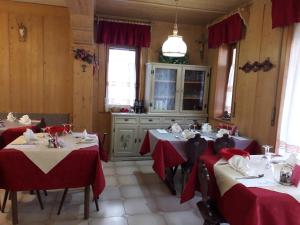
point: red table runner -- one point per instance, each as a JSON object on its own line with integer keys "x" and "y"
{"x": 80, "y": 168}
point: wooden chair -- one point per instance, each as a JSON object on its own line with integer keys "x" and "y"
{"x": 101, "y": 148}
{"x": 223, "y": 142}
{"x": 207, "y": 207}
{"x": 194, "y": 148}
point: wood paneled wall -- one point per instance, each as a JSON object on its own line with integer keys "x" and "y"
{"x": 35, "y": 75}
{"x": 255, "y": 93}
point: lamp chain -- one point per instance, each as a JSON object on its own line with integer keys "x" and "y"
{"x": 175, "y": 31}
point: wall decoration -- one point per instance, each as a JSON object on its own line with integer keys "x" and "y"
{"x": 22, "y": 30}
{"x": 247, "y": 67}
{"x": 265, "y": 66}
{"x": 87, "y": 57}
{"x": 173, "y": 60}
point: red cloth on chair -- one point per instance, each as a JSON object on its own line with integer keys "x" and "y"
{"x": 227, "y": 153}
{"x": 80, "y": 168}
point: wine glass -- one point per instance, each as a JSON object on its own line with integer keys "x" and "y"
{"x": 267, "y": 155}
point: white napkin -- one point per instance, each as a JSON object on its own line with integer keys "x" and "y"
{"x": 25, "y": 120}
{"x": 29, "y": 136}
{"x": 10, "y": 117}
{"x": 84, "y": 134}
{"x": 206, "y": 127}
{"x": 176, "y": 128}
{"x": 240, "y": 164}
{"x": 187, "y": 134}
{"x": 221, "y": 132}
{"x": 292, "y": 159}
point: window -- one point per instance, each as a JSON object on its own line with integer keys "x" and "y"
{"x": 289, "y": 130}
{"x": 230, "y": 79}
{"x": 121, "y": 77}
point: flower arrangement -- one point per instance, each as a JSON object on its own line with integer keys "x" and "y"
{"x": 86, "y": 56}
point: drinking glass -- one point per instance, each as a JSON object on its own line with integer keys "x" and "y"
{"x": 267, "y": 155}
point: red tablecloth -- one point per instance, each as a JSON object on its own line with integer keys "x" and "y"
{"x": 166, "y": 156}
{"x": 11, "y": 134}
{"x": 253, "y": 206}
{"x": 80, "y": 168}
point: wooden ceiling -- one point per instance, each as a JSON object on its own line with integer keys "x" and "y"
{"x": 198, "y": 12}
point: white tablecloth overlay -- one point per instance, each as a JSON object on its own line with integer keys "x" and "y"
{"x": 226, "y": 178}
{"x": 47, "y": 158}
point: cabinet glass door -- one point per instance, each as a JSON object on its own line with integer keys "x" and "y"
{"x": 193, "y": 90}
{"x": 165, "y": 82}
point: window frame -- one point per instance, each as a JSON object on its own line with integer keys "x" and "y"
{"x": 137, "y": 51}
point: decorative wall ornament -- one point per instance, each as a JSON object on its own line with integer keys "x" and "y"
{"x": 22, "y": 30}
{"x": 265, "y": 66}
{"x": 87, "y": 57}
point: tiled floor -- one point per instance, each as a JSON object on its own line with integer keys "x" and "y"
{"x": 134, "y": 195}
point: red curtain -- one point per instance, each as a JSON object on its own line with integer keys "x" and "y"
{"x": 285, "y": 12}
{"x": 227, "y": 31}
{"x": 132, "y": 35}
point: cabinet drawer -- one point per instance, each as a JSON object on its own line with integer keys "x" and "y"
{"x": 128, "y": 120}
{"x": 170, "y": 120}
{"x": 149, "y": 120}
{"x": 191, "y": 120}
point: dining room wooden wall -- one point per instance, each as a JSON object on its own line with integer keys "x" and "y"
{"x": 35, "y": 75}
{"x": 255, "y": 92}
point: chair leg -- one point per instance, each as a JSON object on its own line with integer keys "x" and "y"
{"x": 96, "y": 204}
{"x": 39, "y": 199}
{"x": 45, "y": 192}
{"x": 14, "y": 207}
{"x": 62, "y": 201}
{"x": 4, "y": 200}
{"x": 86, "y": 202}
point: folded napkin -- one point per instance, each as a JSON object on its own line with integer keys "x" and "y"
{"x": 29, "y": 135}
{"x": 84, "y": 134}
{"x": 187, "y": 134}
{"x": 10, "y": 117}
{"x": 240, "y": 164}
{"x": 175, "y": 128}
{"x": 292, "y": 159}
{"x": 221, "y": 132}
{"x": 206, "y": 127}
{"x": 25, "y": 120}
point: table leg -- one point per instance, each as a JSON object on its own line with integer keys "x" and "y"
{"x": 86, "y": 202}
{"x": 169, "y": 180}
{"x": 14, "y": 207}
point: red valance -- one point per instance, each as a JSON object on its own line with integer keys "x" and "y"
{"x": 125, "y": 34}
{"x": 285, "y": 12}
{"x": 227, "y": 31}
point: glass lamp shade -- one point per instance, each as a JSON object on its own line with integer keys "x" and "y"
{"x": 174, "y": 46}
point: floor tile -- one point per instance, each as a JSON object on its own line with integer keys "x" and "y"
{"x": 107, "y": 164}
{"x": 127, "y": 170}
{"x": 125, "y": 163}
{"x": 147, "y": 219}
{"x": 146, "y": 169}
{"x": 111, "y": 181}
{"x": 134, "y": 191}
{"x": 144, "y": 163}
{"x": 111, "y": 193}
{"x": 158, "y": 189}
{"x": 139, "y": 206}
{"x": 180, "y": 218}
{"x": 109, "y": 221}
{"x": 108, "y": 171}
{"x": 113, "y": 208}
{"x": 130, "y": 180}
{"x": 171, "y": 204}
{"x": 69, "y": 222}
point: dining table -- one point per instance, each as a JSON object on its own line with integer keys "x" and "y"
{"x": 168, "y": 153}
{"x": 10, "y": 130}
{"x": 253, "y": 200}
{"x": 35, "y": 165}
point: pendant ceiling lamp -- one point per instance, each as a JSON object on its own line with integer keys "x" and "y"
{"x": 174, "y": 46}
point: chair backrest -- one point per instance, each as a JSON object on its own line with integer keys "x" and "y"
{"x": 223, "y": 142}
{"x": 194, "y": 148}
{"x": 203, "y": 178}
{"x": 40, "y": 125}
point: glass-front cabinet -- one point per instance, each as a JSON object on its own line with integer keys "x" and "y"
{"x": 176, "y": 88}
{"x": 165, "y": 89}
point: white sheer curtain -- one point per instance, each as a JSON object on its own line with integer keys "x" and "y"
{"x": 289, "y": 132}
{"x": 121, "y": 78}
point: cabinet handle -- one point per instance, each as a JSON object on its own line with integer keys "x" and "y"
{"x": 126, "y": 119}
{"x": 173, "y": 120}
{"x": 135, "y": 140}
{"x": 150, "y": 120}
{"x": 140, "y": 140}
